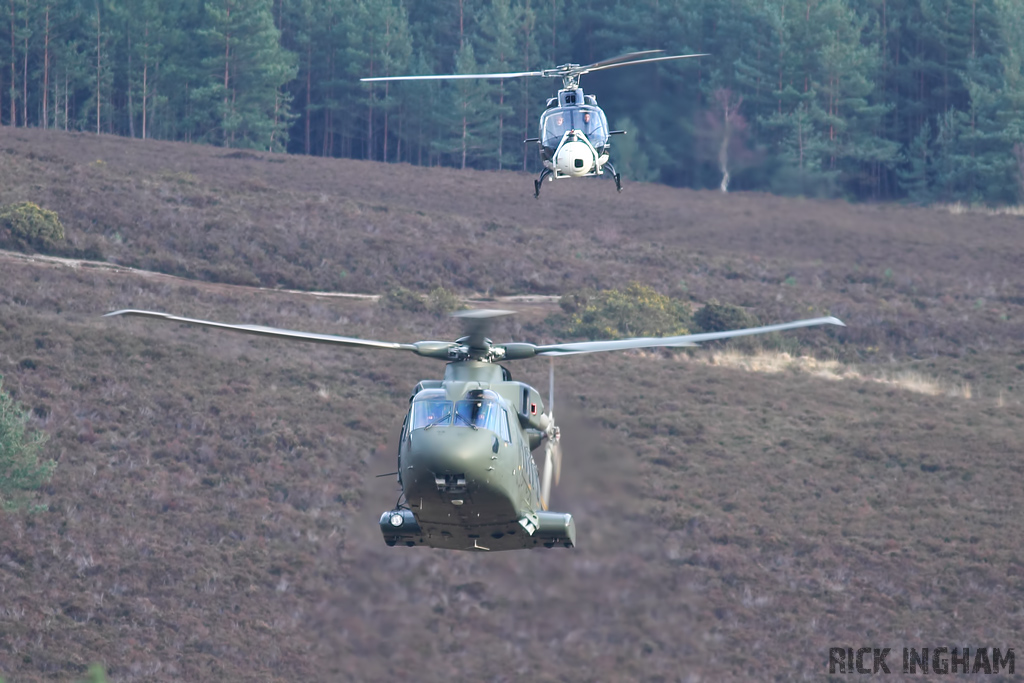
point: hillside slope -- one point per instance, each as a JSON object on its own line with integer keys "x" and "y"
{"x": 213, "y": 514}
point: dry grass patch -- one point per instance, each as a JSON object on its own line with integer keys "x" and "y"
{"x": 778, "y": 361}
{"x": 959, "y": 208}
{"x": 772, "y": 362}
{"x": 924, "y": 384}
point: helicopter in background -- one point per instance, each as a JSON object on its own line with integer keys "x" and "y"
{"x": 465, "y": 468}
{"x": 573, "y": 133}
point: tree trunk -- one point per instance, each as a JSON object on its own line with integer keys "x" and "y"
{"x": 98, "y": 64}
{"x": 227, "y": 73}
{"x": 526, "y": 84}
{"x": 782, "y": 55}
{"x": 277, "y": 117}
{"x": 46, "y": 67}
{"x": 24, "y": 77}
{"x": 554, "y": 22}
{"x": 309, "y": 68}
{"x": 369, "y": 120}
{"x": 501, "y": 117}
{"x": 145, "y": 83}
{"x": 131, "y": 107}
{"x": 14, "y": 82}
{"x": 387, "y": 72}
{"x": 398, "y": 141}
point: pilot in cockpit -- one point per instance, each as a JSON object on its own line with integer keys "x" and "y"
{"x": 435, "y": 411}
{"x": 473, "y": 409}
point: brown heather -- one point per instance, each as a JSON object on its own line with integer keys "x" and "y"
{"x": 213, "y": 513}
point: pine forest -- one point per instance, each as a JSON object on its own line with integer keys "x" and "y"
{"x": 911, "y": 100}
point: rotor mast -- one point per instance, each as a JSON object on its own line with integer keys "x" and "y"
{"x": 570, "y": 78}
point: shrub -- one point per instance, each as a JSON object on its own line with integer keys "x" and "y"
{"x": 402, "y": 299}
{"x": 20, "y": 468}
{"x": 716, "y": 317}
{"x": 637, "y": 311}
{"x": 30, "y": 224}
{"x": 573, "y": 302}
{"x": 443, "y": 301}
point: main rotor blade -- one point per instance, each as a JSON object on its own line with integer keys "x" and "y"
{"x": 681, "y": 340}
{"x": 621, "y": 58}
{"x": 448, "y": 77}
{"x": 644, "y": 61}
{"x": 285, "y": 334}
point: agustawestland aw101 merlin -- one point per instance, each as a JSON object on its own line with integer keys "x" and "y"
{"x": 465, "y": 466}
{"x": 573, "y": 131}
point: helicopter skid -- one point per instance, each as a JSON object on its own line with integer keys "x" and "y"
{"x": 550, "y": 173}
{"x": 550, "y": 530}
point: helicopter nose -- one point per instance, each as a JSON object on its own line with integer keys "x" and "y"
{"x": 451, "y": 450}
{"x": 575, "y": 158}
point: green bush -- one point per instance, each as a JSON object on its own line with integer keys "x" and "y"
{"x": 97, "y": 674}
{"x": 402, "y": 299}
{"x": 21, "y": 471}
{"x": 30, "y": 224}
{"x": 637, "y": 311}
{"x": 716, "y": 317}
{"x": 573, "y": 302}
{"x": 443, "y": 301}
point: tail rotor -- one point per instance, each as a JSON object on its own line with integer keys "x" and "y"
{"x": 552, "y": 443}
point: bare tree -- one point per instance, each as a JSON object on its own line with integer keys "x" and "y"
{"x": 731, "y": 122}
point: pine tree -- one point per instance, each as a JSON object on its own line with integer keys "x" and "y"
{"x": 378, "y": 46}
{"x": 21, "y": 470}
{"x": 499, "y": 46}
{"x": 950, "y": 163}
{"x": 914, "y": 175}
{"x": 241, "y": 97}
{"x": 1010, "y": 113}
{"x": 468, "y": 122}
{"x": 631, "y": 161}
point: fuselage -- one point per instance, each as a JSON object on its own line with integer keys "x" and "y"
{"x": 465, "y": 465}
{"x": 573, "y": 135}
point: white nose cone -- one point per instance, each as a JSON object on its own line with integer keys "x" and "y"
{"x": 574, "y": 159}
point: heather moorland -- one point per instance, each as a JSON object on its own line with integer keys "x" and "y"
{"x": 740, "y": 509}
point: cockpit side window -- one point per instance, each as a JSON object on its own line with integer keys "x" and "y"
{"x": 595, "y": 126}
{"x": 503, "y": 426}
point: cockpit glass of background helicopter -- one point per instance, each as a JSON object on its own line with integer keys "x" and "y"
{"x": 594, "y": 126}
{"x": 431, "y": 411}
{"x": 590, "y": 120}
{"x": 553, "y": 125}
